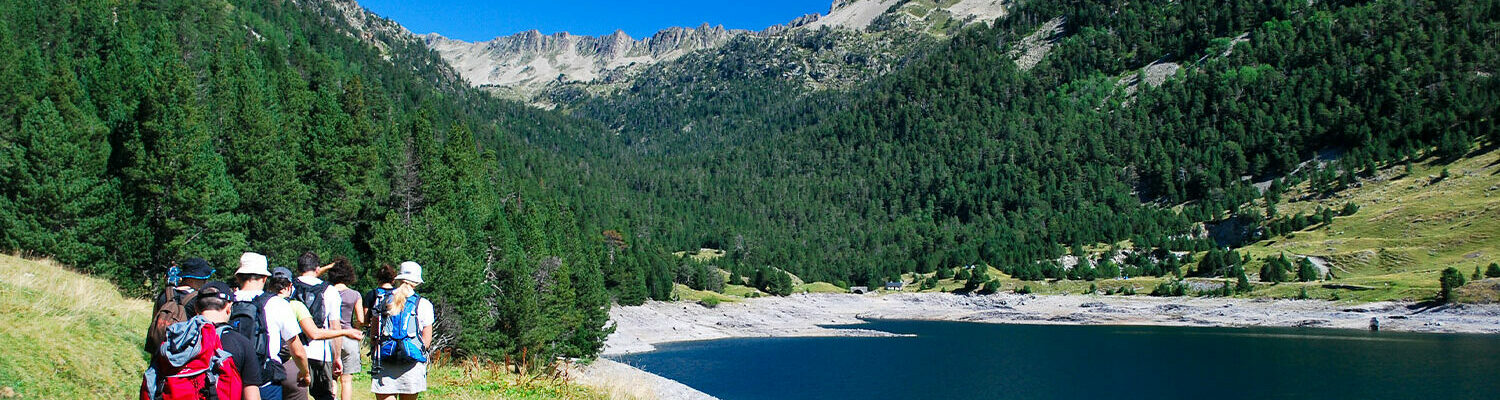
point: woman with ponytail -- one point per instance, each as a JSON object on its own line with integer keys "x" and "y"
{"x": 405, "y": 338}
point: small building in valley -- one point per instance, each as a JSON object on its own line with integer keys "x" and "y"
{"x": 896, "y": 286}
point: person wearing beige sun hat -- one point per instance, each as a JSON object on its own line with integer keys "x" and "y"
{"x": 268, "y": 318}
{"x": 404, "y": 340}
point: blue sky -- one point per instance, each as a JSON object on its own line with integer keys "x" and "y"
{"x": 478, "y": 20}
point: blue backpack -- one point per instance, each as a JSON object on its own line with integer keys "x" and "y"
{"x": 399, "y": 343}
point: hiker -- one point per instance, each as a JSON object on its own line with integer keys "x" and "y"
{"x": 405, "y": 338}
{"x": 351, "y": 316}
{"x": 280, "y": 284}
{"x": 322, "y": 301}
{"x": 268, "y": 320}
{"x": 175, "y": 302}
{"x": 385, "y": 278}
{"x": 203, "y": 357}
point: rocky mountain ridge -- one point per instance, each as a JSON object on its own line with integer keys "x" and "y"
{"x": 526, "y": 63}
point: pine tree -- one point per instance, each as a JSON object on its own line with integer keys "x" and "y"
{"x": 1493, "y": 271}
{"x": 262, "y": 157}
{"x": 1306, "y": 270}
{"x": 1242, "y": 282}
{"x": 175, "y": 178}
{"x": 1450, "y": 279}
{"x": 59, "y": 201}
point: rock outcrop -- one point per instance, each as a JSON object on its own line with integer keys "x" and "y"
{"x": 526, "y": 63}
{"x": 533, "y": 59}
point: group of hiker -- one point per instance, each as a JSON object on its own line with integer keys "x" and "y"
{"x": 278, "y": 334}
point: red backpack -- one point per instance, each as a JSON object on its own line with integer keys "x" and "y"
{"x": 210, "y": 375}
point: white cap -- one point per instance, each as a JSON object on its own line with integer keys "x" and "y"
{"x": 253, "y": 264}
{"x": 410, "y": 271}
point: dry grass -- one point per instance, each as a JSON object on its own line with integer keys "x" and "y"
{"x": 819, "y": 287}
{"x": 68, "y": 335}
{"x": 617, "y": 385}
{"x": 685, "y": 293}
{"x": 474, "y": 379}
{"x": 702, "y": 255}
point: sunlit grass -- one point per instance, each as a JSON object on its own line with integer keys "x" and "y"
{"x": 68, "y": 335}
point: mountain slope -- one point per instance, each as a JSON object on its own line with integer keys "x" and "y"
{"x": 1138, "y": 122}
{"x": 135, "y": 134}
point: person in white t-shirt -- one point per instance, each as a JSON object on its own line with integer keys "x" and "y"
{"x": 322, "y": 355}
{"x": 281, "y": 324}
{"x": 404, "y": 380}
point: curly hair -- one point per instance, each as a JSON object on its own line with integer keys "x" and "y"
{"x": 386, "y": 274}
{"x": 342, "y": 271}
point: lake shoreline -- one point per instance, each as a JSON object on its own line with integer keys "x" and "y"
{"x": 640, "y": 328}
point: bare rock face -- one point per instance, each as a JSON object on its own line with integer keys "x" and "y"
{"x": 532, "y": 59}
{"x": 528, "y": 62}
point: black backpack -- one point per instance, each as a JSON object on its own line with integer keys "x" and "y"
{"x": 249, "y": 319}
{"x": 374, "y": 314}
{"x": 312, "y": 297}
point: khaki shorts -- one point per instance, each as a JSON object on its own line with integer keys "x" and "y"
{"x": 349, "y": 353}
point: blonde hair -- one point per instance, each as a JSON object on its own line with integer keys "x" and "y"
{"x": 404, "y": 289}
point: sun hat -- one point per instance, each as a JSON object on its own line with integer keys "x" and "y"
{"x": 196, "y": 268}
{"x": 253, "y": 264}
{"x": 410, "y": 271}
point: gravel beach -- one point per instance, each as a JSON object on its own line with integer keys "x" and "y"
{"x": 639, "y": 328}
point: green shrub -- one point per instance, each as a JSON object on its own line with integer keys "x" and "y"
{"x": 1450, "y": 280}
{"x": 990, "y": 287}
{"x": 1170, "y": 289}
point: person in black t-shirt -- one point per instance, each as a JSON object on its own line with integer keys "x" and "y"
{"x": 213, "y": 304}
{"x": 385, "y": 277}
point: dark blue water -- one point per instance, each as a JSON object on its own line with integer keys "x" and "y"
{"x": 954, "y": 360}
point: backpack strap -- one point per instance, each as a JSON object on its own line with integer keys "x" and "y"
{"x": 408, "y": 315}
{"x": 269, "y": 367}
{"x": 415, "y": 306}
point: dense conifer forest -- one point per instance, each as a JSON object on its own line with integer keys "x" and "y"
{"x": 962, "y": 158}
{"x": 141, "y": 132}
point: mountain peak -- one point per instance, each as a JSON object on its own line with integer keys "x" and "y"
{"x": 528, "y": 61}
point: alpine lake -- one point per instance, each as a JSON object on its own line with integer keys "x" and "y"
{"x": 959, "y": 360}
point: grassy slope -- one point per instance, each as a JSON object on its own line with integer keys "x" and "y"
{"x": 1408, "y": 229}
{"x": 68, "y": 336}
{"x": 71, "y": 336}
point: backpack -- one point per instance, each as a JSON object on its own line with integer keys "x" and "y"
{"x": 398, "y": 342}
{"x": 379, "y": 298}
{"x": 211, "y": 374}
{"x": 172, "y": 307}
{"x": 249, "y": 319}
{"x": 312, "y": 297}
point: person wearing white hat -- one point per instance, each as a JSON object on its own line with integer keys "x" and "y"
{"x": 281, "y": 324}
{"x": 402, "y": 327}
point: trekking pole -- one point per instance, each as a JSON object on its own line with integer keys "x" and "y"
{"x": 374, "y": 355}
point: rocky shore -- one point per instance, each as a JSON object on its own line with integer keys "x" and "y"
{"x": 640, "y": 328}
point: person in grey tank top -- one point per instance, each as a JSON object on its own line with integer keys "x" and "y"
{"x": 352, "y": 317}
